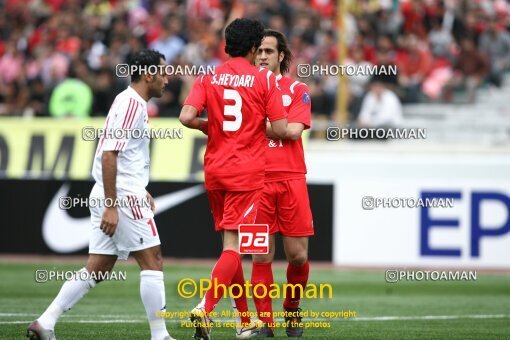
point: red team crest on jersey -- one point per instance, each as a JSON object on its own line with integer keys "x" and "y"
{"x": 253, "y": 239}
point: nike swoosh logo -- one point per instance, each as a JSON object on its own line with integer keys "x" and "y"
{"x": 65, "y": 234}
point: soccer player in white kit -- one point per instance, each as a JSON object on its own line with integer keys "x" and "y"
{"x": 121, "y": 171}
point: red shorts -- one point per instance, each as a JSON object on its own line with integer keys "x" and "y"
{"x": 232, "y": 208}
{"x": 285, "y": 206}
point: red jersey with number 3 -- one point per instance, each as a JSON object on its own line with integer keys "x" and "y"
{"x": 238, "y": 98}
{"x": 285, "y": 158}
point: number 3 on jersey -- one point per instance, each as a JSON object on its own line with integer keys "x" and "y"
{"x": 232, "y": 110}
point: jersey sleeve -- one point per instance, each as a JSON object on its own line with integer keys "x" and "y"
{"x": 197, "y": 95}
{"x": 124, "y": 117}
{"x": 300, "y": 110}
{"x": 274, "y": 105}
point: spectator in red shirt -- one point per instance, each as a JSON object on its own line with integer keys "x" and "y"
{"x": 413, "y": 65}
{"x": 414, "y": 15}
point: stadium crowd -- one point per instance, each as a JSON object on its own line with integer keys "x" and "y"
{"x": 58, "y": 57}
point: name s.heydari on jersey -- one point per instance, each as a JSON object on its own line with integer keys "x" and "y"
{"x": 233, "y": 80}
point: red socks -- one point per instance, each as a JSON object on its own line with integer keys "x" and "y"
{"x": 241, "y": 303}
{"x": 262, "y": 274}
{"x": 228, "y": 270}
{"x": 295, "y": 275}
{"x": 222, "y": 274}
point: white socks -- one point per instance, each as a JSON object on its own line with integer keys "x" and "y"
{"x": 152, "y": 291}
{"x": 70, "y": 293}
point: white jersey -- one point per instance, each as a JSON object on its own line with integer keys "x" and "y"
{"x": 128, "y": 112}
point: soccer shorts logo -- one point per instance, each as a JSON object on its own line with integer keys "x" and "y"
{"x": 253, "y": 239}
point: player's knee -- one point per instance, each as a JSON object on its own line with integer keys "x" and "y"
{"x": 298, "y": 258}
{"x": 155, "y": 263}
{"x": 158, "y": 262}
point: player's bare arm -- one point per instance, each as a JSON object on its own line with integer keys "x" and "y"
{"x": 294, "y": 131}
{"x": 110, "y": 216}
{"x": 279, "y": 127}
{"x": 189, "y": 118}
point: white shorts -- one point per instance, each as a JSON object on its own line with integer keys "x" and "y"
{"x": 135, "y": 231}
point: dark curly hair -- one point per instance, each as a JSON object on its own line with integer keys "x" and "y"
{"x": 145, "y": 58}
{"x": 282, "y": 46}
{"x": 241, "y": 35}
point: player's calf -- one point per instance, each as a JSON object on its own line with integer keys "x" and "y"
{"x": 152, "y": 289}
{"x": 100, "y": 264}
{"x": 297, "y": 275}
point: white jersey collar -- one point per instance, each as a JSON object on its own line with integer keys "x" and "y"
{"x": 133, "y": 91}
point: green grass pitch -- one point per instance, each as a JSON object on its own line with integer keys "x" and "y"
{"x": 405, "y": 310}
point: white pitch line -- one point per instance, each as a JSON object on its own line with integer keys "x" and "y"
{"x": 431, "y": 317}
{"x": 72, "y": 315}
{"x": 375, "y": 318}
{"x": 77, "y": 321}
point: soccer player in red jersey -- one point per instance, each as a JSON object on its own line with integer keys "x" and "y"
{"x": 284, "y": 204}
{"x": 238, "y": 97}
